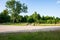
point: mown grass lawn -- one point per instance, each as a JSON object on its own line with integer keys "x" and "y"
{"x": 52, "y": 35}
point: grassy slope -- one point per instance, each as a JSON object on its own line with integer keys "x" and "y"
{"x": 54, "y": 35}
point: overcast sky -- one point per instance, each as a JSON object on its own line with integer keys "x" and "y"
{"x": 43, "y": 7}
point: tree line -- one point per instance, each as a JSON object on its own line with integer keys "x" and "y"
{"x": 14, "y": 8}
{"x": 34, "y": 18}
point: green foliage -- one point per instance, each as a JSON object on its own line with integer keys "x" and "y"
{"x": 15, "y": 8}
{"x": 30, "y": 19}
{"x": 34, "y": 18}
{"x": 25, "y": 18}
{"x": 4, "y": 17}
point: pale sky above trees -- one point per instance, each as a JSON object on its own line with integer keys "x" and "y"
{"x": 43, "y": 7}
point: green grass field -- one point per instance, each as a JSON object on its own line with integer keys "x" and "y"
{"x": 32, "y": 24}
{"x": 16, "y": 24}
{"x": 52, "y": 35}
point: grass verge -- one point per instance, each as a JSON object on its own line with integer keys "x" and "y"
{"x": 32, "y": 24}
{"x": 52, "y": 35}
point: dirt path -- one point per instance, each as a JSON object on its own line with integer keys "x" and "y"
{"x": 7, "y": 28}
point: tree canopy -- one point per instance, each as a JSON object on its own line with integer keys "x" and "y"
{"x": 15, "y": 8}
